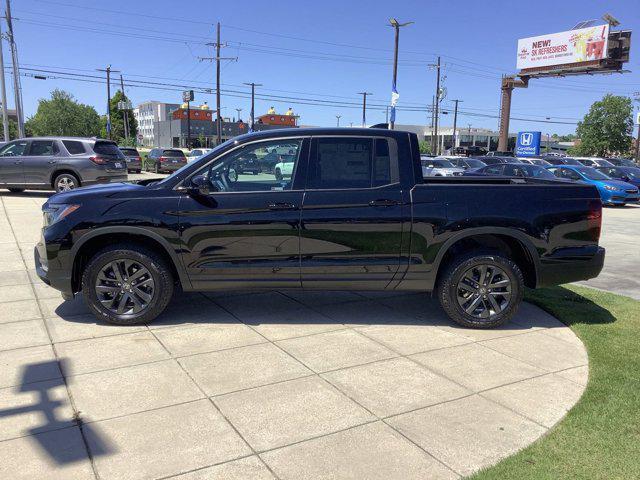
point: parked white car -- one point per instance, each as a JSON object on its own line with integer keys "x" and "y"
{"x": 197, "y": 153}
{"x": 283, "y": 169}
{"x": 439, "y": 167}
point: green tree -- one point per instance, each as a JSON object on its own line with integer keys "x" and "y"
{"x": 63, "y": 115}
{"x": 424, "y": 146}
{"x": 117, "y": 122}
{"x": 607, "y": 128}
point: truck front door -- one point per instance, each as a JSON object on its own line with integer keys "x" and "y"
{"x": 245, "y": 232}
{"x": 351, "y": 229}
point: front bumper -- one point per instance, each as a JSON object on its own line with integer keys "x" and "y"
{"x": 50, "y": 270}
{"x": 571, "y": 265}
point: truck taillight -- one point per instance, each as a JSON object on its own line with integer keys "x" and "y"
{"x": 99, "y": 160}
{"x": 594, "y": 219}
{"x": 139, "y": 159}
{"x": 163, "y": 159}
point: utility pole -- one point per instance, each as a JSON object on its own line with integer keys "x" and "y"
{"x": 17, "y": 88}
{"x": 386, "y": 116}
{"x": 108, "y": 71}
{"x": 218, "y": 116}
{"x": 125, "y": 111}
{"x": 364, "y": 107}
{"x": 253, "y": 98}
{"x": 3, "y": 90}
{"x": 238, "y": 110}
{"x": 436, "y": 104}
{"x": 217, "y": 58}
{"x": 338, "y": 119}
{"x": 394, "y": 90}
{"x": 455, "y": 122}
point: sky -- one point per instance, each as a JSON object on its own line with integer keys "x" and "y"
{"x": 315, "y": 56}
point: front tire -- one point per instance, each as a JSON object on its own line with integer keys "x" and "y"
{"x": 127, "y": 284}
{"x": 481, "y": 289}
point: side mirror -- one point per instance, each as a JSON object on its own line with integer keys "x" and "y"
{"x": 625, "y": 178}
{"x": 200, "y": 185}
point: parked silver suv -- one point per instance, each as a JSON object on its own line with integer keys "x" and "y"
{"x": 60, "y": 163}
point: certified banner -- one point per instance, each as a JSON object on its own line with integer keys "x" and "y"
{"x": 574, "y": 46}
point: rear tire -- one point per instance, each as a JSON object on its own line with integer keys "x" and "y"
{"x": 65, "y": 182}
{"x": 481, "y": 289}
{"x": 136, "y": 293}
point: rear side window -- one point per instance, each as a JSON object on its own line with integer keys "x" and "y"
{"x": 353, "y": 163}
{"x": 129, "y": 151}
{"x": 106, "y": 148}
{"x": 173, "y": 153}
{"x": 73, "y": 147}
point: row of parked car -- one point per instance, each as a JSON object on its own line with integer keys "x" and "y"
{"x": 617, "y": 179}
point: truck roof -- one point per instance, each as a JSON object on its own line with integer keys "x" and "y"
{"x": 317, "y": 131}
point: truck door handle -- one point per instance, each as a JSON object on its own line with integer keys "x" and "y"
{"x": 52, "y": 161}
{"x": 383, "y": 202}
{"x": 281, "y": 206}
{"x": 18, "y": 162}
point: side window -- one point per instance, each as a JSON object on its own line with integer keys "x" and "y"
{"x": 570, "y": 174}
{"x": 41, "y": 148}
{"x": 73, "y": 147}
{"x": 353, "y": 163}
{"x": 493, "y": 170}
{"x": 264, "y": 166}
{"x": 385, "y": 162}
{"x": 13, "y": 149}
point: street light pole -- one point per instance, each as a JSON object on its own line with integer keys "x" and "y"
{"x": 364, "y": 107}
{"x": 238, "y": 110}
{"x": 338, "y": 119}
{"x": 394, "y": 90}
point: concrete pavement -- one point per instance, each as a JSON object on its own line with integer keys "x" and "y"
{"x": 266, "y": 385}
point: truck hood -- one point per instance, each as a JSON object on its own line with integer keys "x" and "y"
{"x": 84, "y": 194}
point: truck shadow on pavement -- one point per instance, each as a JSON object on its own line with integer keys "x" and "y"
{"x": 56, "y": 436}
{"x": 399, "y": 309}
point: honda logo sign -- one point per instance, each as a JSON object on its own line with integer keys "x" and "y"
{"x": 528, "y": 144}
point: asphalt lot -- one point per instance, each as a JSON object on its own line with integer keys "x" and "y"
{"x": 621, "y": 238}
{"x": 273, "y": 384}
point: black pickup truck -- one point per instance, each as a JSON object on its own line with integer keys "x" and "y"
{"x": 350, "y": 210}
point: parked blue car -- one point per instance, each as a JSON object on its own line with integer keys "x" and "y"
{"x": 612, "y": 192}
{"x": 626, "y": 174}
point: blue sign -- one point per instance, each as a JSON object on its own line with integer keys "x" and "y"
{"x": 528, "y": 144}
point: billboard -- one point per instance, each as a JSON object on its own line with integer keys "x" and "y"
{"x": 528, "y": 144}
{"x": 574, "y": 46}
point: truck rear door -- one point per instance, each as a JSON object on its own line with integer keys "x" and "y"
{"x": 351, "y": 223}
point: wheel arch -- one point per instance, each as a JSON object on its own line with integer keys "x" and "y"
{"x": 60, "y": 171}
{"x": 516, "y": 244}
{"x": 94, "y": 241}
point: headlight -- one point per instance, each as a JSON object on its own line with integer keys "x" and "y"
{"x": 55, "y": 213}
{"x": 611, "y": 189}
